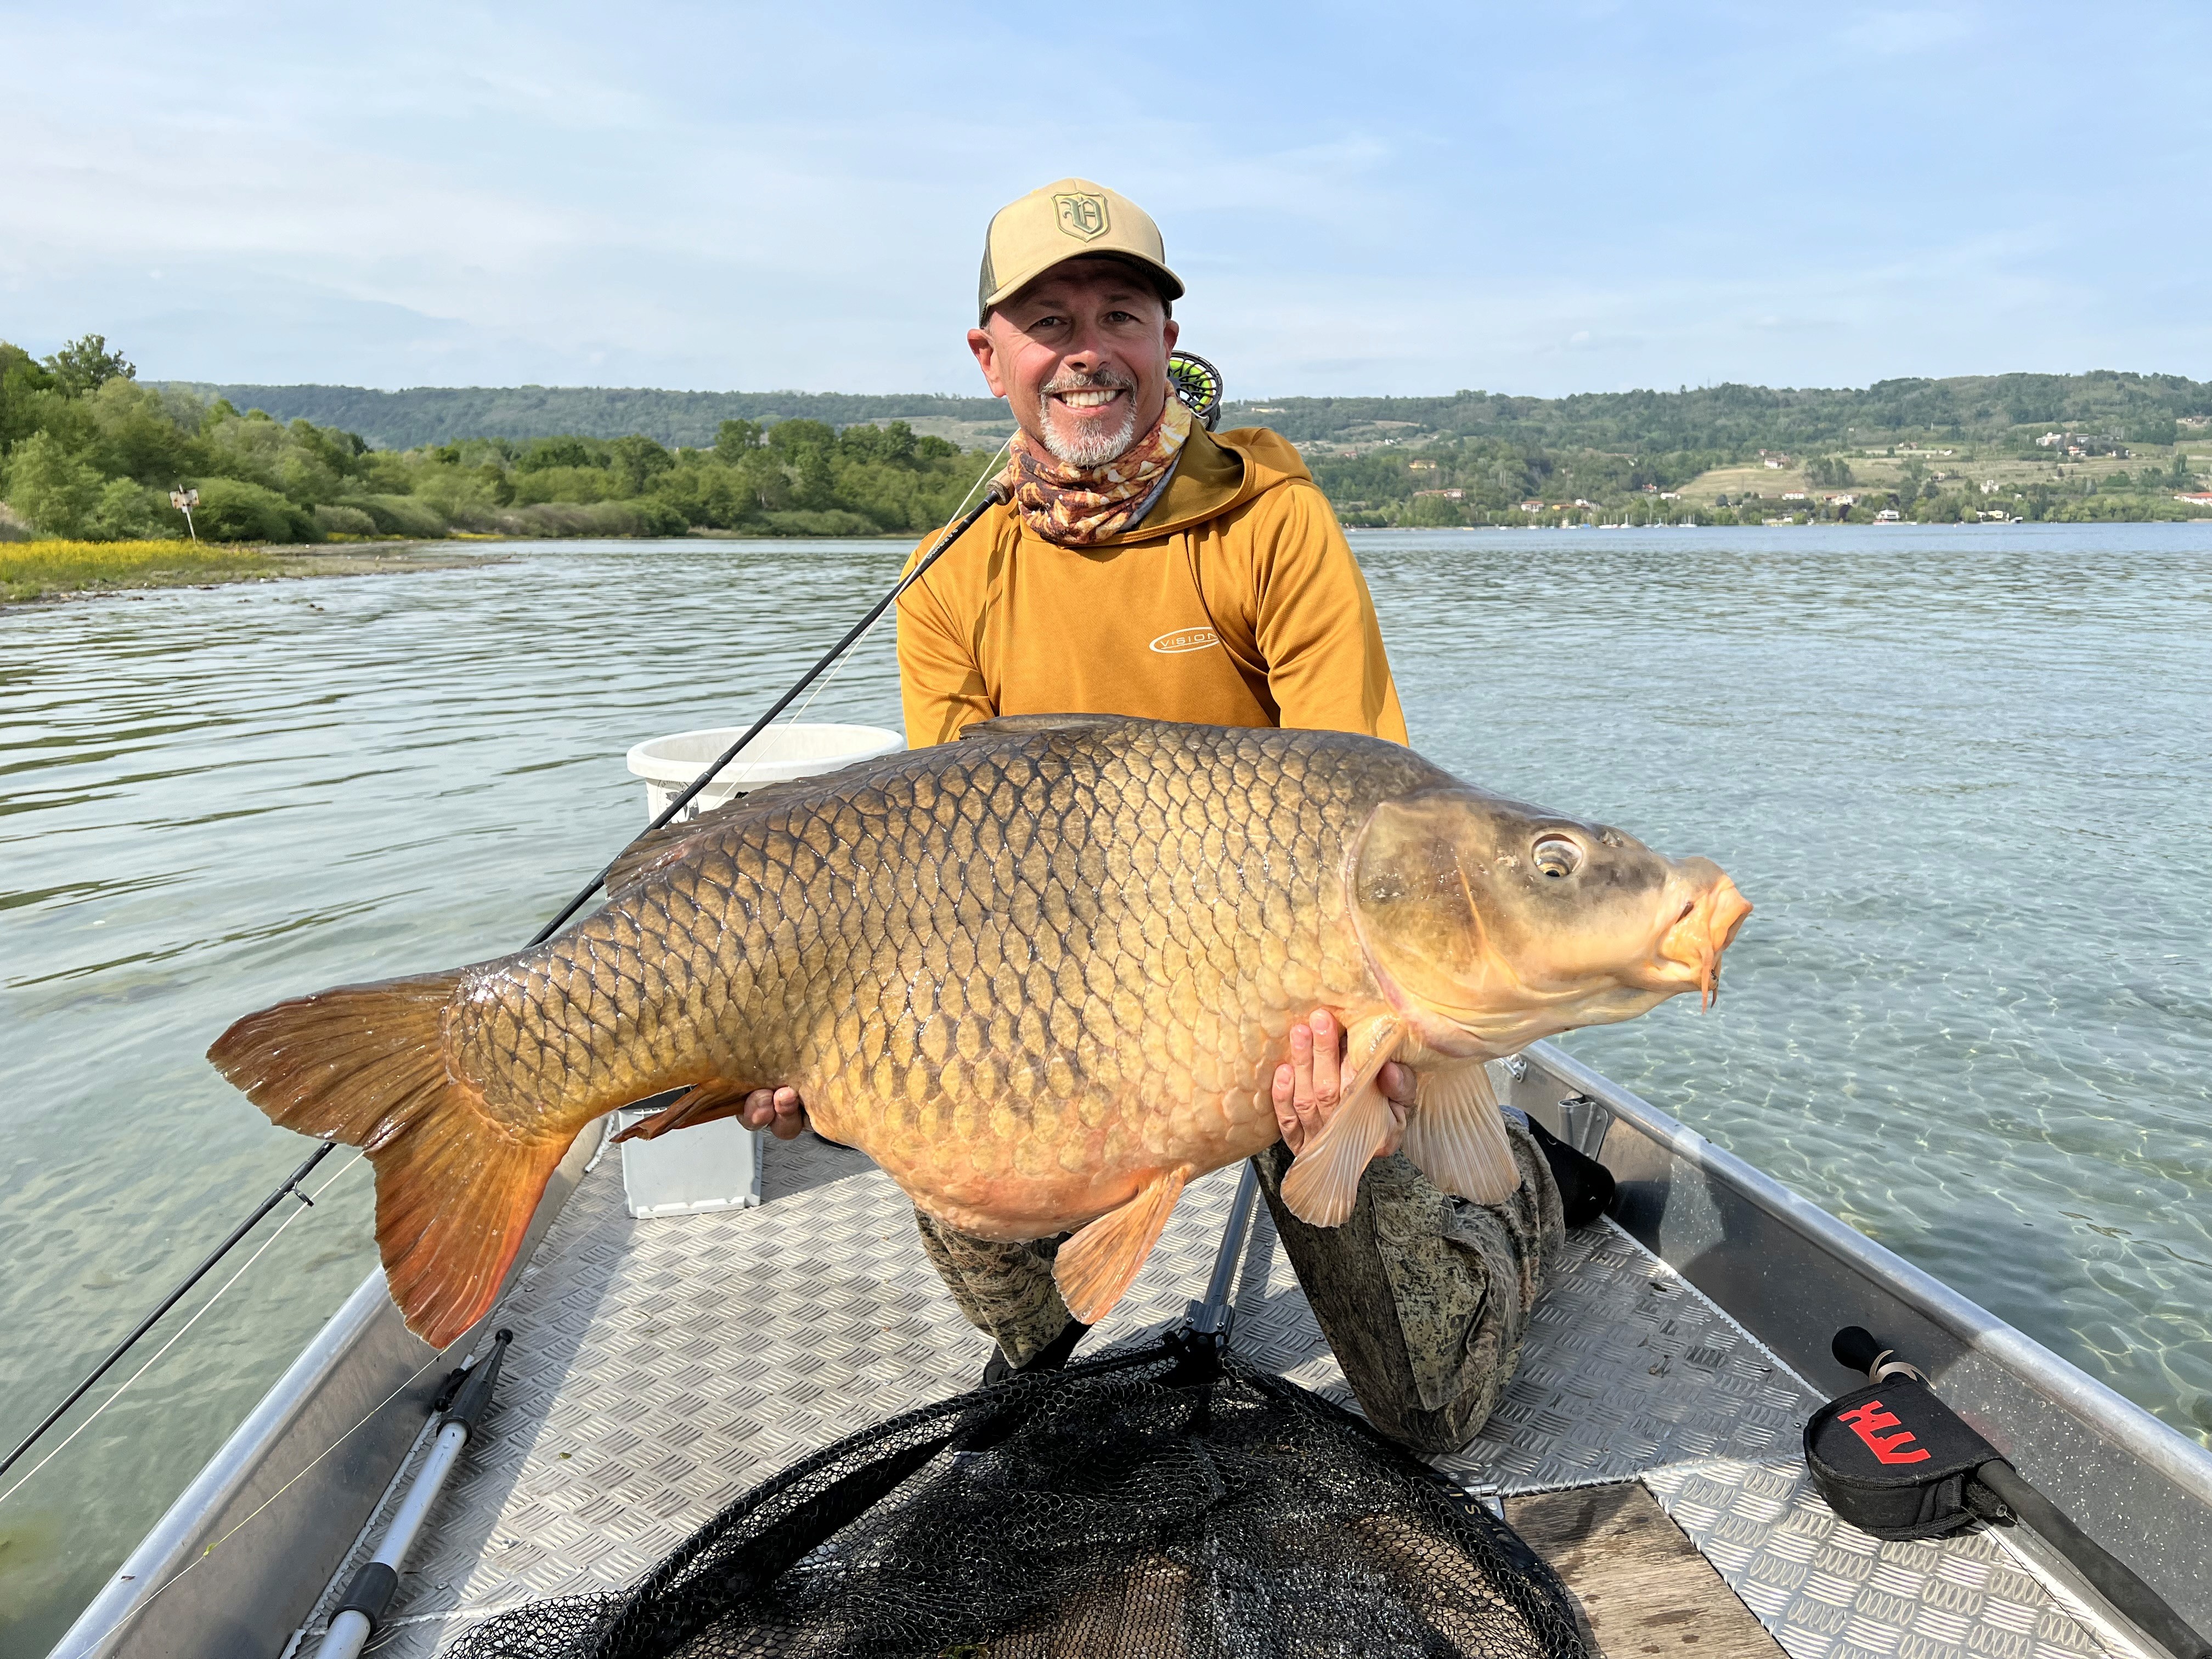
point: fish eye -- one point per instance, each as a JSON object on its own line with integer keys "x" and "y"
{"x": 1556, "y": 857}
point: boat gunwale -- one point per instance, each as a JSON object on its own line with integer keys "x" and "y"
{"x": 2132, "y": 1428}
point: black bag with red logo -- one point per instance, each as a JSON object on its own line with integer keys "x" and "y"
{"x": 1894, "y": 1460}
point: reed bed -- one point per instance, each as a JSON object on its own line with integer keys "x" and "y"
{"x": 29, "y": 571}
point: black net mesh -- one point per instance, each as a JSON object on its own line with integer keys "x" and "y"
{"x": 1156, "y": 1503}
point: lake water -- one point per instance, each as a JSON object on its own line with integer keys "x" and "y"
{"x": 1963, "y": 772}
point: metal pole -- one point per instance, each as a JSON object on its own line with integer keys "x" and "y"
{"x": 374, "y": 1586}
{"x": 1212, "y": 1316}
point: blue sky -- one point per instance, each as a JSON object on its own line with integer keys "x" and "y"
{"x": 1413, "y": 198}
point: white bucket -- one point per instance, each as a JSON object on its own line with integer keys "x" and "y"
{"x": 796, "y": 750}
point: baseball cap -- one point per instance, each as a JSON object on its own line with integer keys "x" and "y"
{"x": 1066, "y": 220}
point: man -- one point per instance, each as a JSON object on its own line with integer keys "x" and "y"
{"x": 1144, "y": 567}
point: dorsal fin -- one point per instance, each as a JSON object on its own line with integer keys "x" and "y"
{"x": 657, "y": 846}
{"x": 1010, "y": 724}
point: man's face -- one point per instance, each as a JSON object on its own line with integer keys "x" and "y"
{"x": 1081, "y": 356}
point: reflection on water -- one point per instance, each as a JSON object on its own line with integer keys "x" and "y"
{"x": 1962, "y": 773}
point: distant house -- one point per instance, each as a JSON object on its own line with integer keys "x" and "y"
{"x": 1670, "y": 494}
{"x": 1794, "y": 496}
{"x": 1532, "y": 506}
{"x": 2051, "y": 441}
{"x": 1774, "y": 459}
{"x": 2197, "y": 498}
{"x": 1421, "y": 466}
{"x": 1449, "y": 494}
{"x": 1841, "y": 501}
{"x": 1579, "y": 501}
{"x": 1887, "y": 515}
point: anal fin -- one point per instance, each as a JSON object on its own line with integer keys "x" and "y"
{"x": 701, "y": 1103}
{"x": 1323, "y": 1180}
{"x": 1456, "y": 1135}
{"x": 1094, "y": 1267}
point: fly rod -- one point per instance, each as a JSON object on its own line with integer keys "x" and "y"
{"x": 1192, "y": 380}
{"x": 993, "y": 493}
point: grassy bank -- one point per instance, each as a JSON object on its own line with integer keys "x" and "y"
{"x": 49, "y": 569}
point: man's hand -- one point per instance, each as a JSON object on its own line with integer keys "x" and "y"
{"x": 780, "y": 1109}
{"x": 1310, "y": 1084}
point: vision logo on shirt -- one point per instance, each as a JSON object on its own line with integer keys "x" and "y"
{"x": 1185, "y": 639}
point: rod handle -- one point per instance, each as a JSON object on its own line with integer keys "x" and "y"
{"x": 1855, "y": 1348}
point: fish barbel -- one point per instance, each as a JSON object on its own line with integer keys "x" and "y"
{"x": 1043, "y": 976}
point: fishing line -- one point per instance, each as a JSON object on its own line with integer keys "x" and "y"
{"x": 175, "y": 1296}
{"x": 491, "y": 1316}
{"x": 244, "y": 1266}
{"x": 989, "y": 472}
{"x": 952, "y": 533}
{"x": 1193, "y": 379}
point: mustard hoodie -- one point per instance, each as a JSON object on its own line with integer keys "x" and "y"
{"x": 1236, "y": 602}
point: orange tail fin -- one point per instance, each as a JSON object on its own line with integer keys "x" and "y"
{"x": 455, "y": 1187}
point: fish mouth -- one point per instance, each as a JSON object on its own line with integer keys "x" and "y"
{"x": 1701, "y": 927}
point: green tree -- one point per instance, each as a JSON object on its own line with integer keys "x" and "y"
{"x": 127, "y": 512}
{"x": 637, "y": 460}
{"x": 50, "y": 487}
{"x": 233, "y": 510}
{"x": 22, "y": 384}
{"x": 86, "y": 364}
{"x": 735, "y": 439}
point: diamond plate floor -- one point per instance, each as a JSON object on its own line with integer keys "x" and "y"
{"x": 662, "y": 1367}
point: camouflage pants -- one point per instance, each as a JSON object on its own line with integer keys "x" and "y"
{"x": 1423, "y": 1297}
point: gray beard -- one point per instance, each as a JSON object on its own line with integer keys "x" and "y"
{"x": 1094, "y": 448}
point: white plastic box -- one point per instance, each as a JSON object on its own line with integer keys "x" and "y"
{"x": 717, "y": 1166}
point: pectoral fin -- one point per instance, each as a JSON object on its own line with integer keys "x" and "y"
{"x": 701, "y": 1103}
{"x": 1324, "y": 1179}
{"x": 1095, "y": 1266}
{"x": 1456, "y": 1135}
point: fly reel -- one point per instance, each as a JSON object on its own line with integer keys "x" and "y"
{"x": 1198, "y": 383}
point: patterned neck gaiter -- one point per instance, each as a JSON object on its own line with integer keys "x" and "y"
{"x": 1083, "y": 505}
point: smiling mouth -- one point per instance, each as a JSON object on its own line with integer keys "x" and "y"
{"x": 1089, "y": 398}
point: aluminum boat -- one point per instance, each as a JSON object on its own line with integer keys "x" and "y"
{"x": 1650, "y": 1445}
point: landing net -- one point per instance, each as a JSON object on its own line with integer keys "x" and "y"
{"x": 1159, "y": 1502}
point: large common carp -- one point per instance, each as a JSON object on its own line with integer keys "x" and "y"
{"x": 1043, "y": 976}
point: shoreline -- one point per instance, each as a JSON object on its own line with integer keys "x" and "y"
{"x": 230, "y": 566}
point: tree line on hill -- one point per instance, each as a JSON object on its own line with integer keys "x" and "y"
{"x": 1740, "y": 420}
{"x": 680, "y": 420}
{"x": 88, "y": 453}
{"x": 1478, "y": 481}
{"x": 1732, "y": 419}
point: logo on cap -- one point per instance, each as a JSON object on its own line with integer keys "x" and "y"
{"x": 1082, "y": 217}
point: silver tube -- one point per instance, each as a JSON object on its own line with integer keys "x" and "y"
{"x": 349, "y": 1631}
